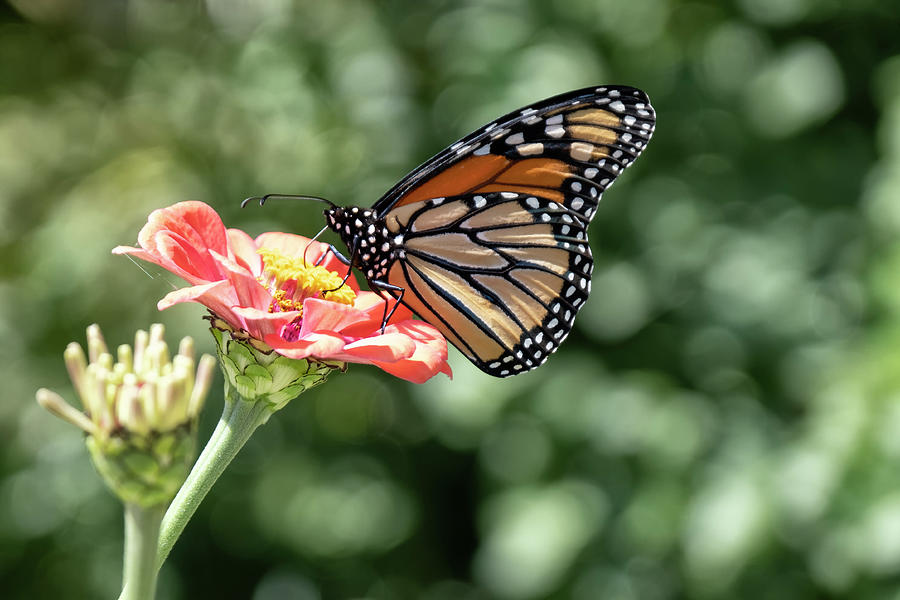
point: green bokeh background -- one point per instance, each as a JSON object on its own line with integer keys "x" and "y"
{"x": 724, "y": 421}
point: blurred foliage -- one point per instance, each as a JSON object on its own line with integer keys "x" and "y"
{"x": 723, "y": 423}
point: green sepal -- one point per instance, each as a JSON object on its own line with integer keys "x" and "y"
{"x": 147, "y": 469}
{"x": 259, "y": 374}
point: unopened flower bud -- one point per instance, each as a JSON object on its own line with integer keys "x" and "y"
{"x": 140, "y": 411}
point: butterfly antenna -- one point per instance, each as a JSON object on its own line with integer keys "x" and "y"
{"x": 263, "y": 199}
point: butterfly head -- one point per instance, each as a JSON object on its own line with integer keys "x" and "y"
{"x": 371, "y": 245}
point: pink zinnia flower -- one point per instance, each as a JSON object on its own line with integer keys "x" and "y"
{"x": 276, "y": 289}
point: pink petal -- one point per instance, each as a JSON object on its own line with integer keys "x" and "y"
{"x": 195, "y": 222}
{"x": 138, "y": 252}
{"x": 242, "y": 249}
{"x": 290, "y": 244}
{"x": 168, "y": 255}
{"x": 262, "y": 323}
{"x": 319, "y": 345}
{"x": 249, "y": 291}
{"x": 374, "y": 305}
{"x": 414, "y": 371}
{"x": 217, "y": 296}
{"x": 191, "y": 263}
{"x": 429, "y": 358}
{"x": 324, "y": 315}
{"x": 178, "y": 238}
{"x": 389, "y": 347}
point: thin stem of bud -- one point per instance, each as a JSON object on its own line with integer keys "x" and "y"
{"x": 141, "y": 533}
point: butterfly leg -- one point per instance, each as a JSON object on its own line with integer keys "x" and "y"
{"x": 383, "y": 286}
{"x": 336, "y": 254}
{"x": 341, "y": 258}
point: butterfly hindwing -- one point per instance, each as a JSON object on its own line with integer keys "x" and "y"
{"x": 501, "y": 274}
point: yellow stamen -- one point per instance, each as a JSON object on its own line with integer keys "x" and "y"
{"x": 292, "y": 280}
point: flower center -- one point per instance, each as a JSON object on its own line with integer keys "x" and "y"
{"x": 293, "y": 280}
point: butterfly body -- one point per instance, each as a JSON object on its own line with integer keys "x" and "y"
{"x": 372, "y": 247}
{"x": 487, "y": 241}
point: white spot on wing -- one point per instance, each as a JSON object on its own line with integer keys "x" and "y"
{"x": 530, "y": 149}
{"x": 555, "y": 131}
{"x": 516, "y": 138}
{"x": 581, "y": 151}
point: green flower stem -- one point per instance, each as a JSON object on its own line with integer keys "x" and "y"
{"x": 239, "y": 420}
{"x": 141, "y": 532}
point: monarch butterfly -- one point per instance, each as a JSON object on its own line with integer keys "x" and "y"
{"x": 487, "y": 240}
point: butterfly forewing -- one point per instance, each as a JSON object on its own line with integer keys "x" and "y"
{"x": 572, "y": 145}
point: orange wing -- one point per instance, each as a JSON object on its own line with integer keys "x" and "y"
{"x": 564, "y": 148}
